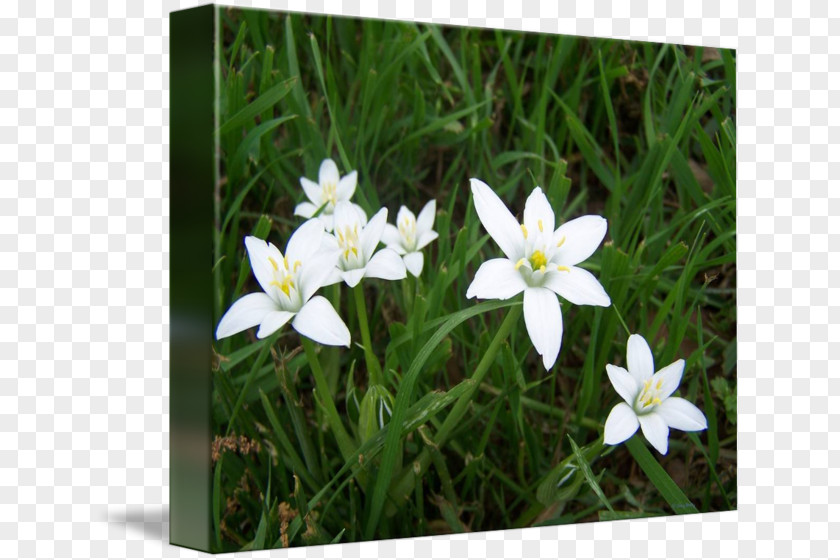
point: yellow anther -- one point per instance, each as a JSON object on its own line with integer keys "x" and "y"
{"x": 355, "y": 251}
{"x": 286, "y": 262}
{"x": 659, "y": 385}
{"x": 524, "y": 230}
{"x": 560, "y": 243}
{"x": 657, "y": 401}
{"x": 562, "y": 268}
{"x": 542, "y": 269}
{"x": 518, "y": 264}
{"x": 539, "y": 224}
{"x": 297, "y": 265}
{"x": 273, "y": 263}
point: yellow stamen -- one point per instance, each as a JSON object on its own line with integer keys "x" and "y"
{"x": 539, "y": 224}
{"x": 355, "y": 251}
{"x": 524, "y": 230}
{"x": 560, "y": 243}
{"x": 659, "y": 385}
{"x": 297, "y": 265}
{"x": 562, "y": 268}
{"x": 542, "y": 269}
{"x": 273, "y": 263}
{"x": 518, "y": 264}
{"x": 286, "y": 262}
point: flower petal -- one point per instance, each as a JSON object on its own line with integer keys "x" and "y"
{"x": 497, "y": 220}
{"x": 538, "y": 215}
{"x": 346, "y": 186}
{"x": 425, "y": 238}
{"x": 682, "y": 415}
{"x": 655, "y": 430}
{"x": 392, "y": 239}
{"x": 544, "y": 323}
{"x": 305, "y": 209}
{"x": 361, "y": 213}
{"x": 246, "y": 312}
{"x": 328, "y": 220}
{"x": 372, "y": 233}
{"x": 258, "y": 255}
{"x": 414, "y": 263}
{"x": 334, "y": 277}
{"x": 328, "y": 173}
{"x": 272, "y": 322}
{"x": 670, "y": 377}
{"x": 346, "y": 216}
{"x": 496, "y": 279}
{"x": 624, "y": 383}
{"x": 639, "y": 358}
{"x": 579, "y": 238}
{"x": 312, "y": 190}
{"x": 404, "y": 213}
{"x": 620, "y": 425}
{"x": 304, "y": 242}
{"x": 353, "y": 277}
{"x": 318, "y": 320}
{"x": 385, "y": 264}
{"x": 426, "y": 217}
{"x": 316, "y": 272}
{"x": 577, "y": 286}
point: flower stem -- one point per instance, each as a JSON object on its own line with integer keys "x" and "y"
{"x": 408, "y": 295}
{"x": 374, "y": 369}
{"x": 345, "y": 444}
{"x": 403, "y": 485}
{"x": 457, "y": 412}
{"x": 621, "y": 319}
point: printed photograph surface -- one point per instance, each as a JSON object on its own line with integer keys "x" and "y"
{"x": 466, "y": 279}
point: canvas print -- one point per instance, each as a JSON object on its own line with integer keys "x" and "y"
{"x": 463, "y": 280}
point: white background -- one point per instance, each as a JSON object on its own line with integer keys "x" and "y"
{"x": 84, "y": 318}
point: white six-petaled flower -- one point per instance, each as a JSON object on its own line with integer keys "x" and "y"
{"x": 289, "y": 282}
{"x": 410, "y": 235}
{"x": 648, "y": 399}
{"x": 356, "y": 241}
{"x": 327, "y": 192}
{"x": 540, "y": 261}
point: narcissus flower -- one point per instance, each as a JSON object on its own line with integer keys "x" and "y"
{"x": 648, "y": 400}
{"x": 327, "y": 192}
{"x": 289, "y": 282}
{"x": 539, "y": 261}
{"x": 356, "y": 241}
{"x": 410, "y": 235}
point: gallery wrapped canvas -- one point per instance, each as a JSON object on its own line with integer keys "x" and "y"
{"x": 431, "y": 280}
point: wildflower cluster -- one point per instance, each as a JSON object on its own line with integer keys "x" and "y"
{"x": 337, "y": 243}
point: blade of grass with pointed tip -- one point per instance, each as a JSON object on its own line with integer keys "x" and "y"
{"x": 666, "y": 486}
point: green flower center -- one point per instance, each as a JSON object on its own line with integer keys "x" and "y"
{"x": 537, "y": 260}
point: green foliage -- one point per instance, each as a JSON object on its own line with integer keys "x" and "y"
{"x": 483, "y": 438}
{"x": 726, "y": 393}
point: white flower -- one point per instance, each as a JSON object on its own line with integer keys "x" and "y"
{"x": 540, "y": 261}
{"x": 328, "y": 191}
{"x": 410, "y": 235}
{"x": 647, "y": 399}
{"x": 288, "y": 284}
{"x": 356, "y": 239}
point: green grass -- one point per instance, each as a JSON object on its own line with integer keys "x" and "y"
{"x": 640, "y": 133}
